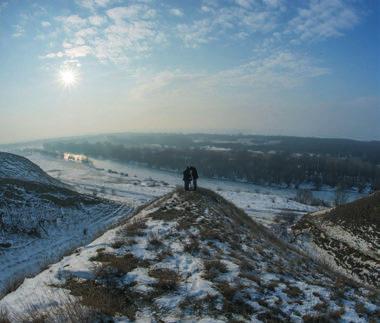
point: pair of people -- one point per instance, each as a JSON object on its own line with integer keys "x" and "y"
{"x": 190, "y": 174}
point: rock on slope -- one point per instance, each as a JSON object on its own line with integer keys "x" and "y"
{"x": 346, "y": 237}
{"x": 190, "y": 256}
{"x": 41, "y": 218}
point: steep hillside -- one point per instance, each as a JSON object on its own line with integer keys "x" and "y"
{"x": 347, "y": 237}
{"x": 41, "y": 219}
{"x": 17, "y": 167}
{"x": 190, "y": 256}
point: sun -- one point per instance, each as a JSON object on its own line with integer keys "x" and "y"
{"x": 68, "y": 77}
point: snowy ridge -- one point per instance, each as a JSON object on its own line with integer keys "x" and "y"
{"x": 17, "y": 167}
{"x": 193, "y": 256}
{"x": 41, "y": 219}
{"x": 346, "y": 237}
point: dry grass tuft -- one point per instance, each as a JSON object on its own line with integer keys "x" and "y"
{"x": 4, "y": 318}
{"x": 69, "y": 310}
{"x": 233, "y": 302}
{"x": 272, "y": 285}
{"x": 329, "y": 317}
{"x": 209, "y": 233}
{"x": 118, "y": 265}
{"x": 118, "y": 244}
{"x": 293, "y": 291}
{"x": 11, "y": 286}
{"x": 199, "y": 306}
{"x": 135, "y": 228}
{"x": 165, "y": 215}
{"x": 192, "y": 247}
{"x": 213, "y": 268}
{"x": 155, "y": 240}
{"x": 165, "y": 253}
{"x": 168, "y": 279}
{"x": 106, "y": 299}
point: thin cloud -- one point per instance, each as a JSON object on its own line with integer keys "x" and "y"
{"x": 3, "y": 5}
{"x": 45, "y": 24}
{"x": 97, "y": 20}
{"x": 282, "y": 69}
{"x": 93, "y": 4}
{"x": 176, "y": 12}
{"x": 71, "y": 22}
{"x": 18, "y": 31}
{"x": 323, "y": 19}
{"x": 240, "y": 19}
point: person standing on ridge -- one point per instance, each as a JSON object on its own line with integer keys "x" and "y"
{"x": 187, "y": 178}
{"x": 194, "y": 175}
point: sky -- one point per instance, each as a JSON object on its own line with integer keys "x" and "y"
{"x": 304, "y": 68}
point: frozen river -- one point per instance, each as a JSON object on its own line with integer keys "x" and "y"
{"x": 136, "y": 185}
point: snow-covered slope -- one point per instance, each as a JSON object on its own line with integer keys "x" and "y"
{"x": 17, "y": 167}
{"x": 41, "y": 219}
{"x": 190, "y": 256}
{"x": 347, "y": 237}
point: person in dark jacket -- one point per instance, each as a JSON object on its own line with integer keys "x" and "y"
{"x": 194, "y": 176}
{"x": 187, "y": 178}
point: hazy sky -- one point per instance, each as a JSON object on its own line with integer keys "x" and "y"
{"x": 309, "y": 68}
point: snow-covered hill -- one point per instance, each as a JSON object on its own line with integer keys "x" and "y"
{"x": 190, "y": 256}
{"x": 346, "y": 237}
{"x": 17, "y": 167}
{"x": 41, "y": 219}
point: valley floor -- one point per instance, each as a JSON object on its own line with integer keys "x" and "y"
{"x": 142, "y": 184}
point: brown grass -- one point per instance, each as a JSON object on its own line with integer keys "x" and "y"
{"x": 155, "y": 240}
{"x": 213, "y": 268}
{"x": 166, "y": 215}
{"x": 168, "y": 279}
{"x": 108, "y": 300}
{"x": 165, "y": 252}
{"x": 209, "y": 233}
{"x": 4, "y": 318}
{"x": 134, "y": 228}
{"x": 293, "y": 291}
{"x": 272, "y": 285}
{"x": 268, "y": 317}
{"x": 320, "y": 307}
{"x": 117, "y": 244}
{"x": 192, "y": 247}
{"x": 69, "y": 310}
{"x": 119, "y": 265}
{"x": 233, "y": 302}
{"x": 207, "y": 304}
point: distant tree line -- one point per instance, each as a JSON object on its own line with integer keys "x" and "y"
{"x": 265, "y": 168}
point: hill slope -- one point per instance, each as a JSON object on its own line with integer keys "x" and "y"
{"x": 17, "y": 167}
{"x": 41, "y": 219}
{"x": 191, "y": 256}
{"x": 347, "y": 237}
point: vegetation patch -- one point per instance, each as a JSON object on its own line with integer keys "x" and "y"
{"x": 119, "y": 264}
{"x": 293, "y": 291}
{"x": 108, "y": 299}
{"x": 155, "y": 241}
{"x": 233, "y": 301}
{"x": 213, "y": 268}
{"x": 135, "y": 228}
{"x": 167, "y": 280}
{"x": 192, "y": 246}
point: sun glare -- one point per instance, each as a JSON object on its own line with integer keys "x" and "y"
{"x": 68, "y": 77}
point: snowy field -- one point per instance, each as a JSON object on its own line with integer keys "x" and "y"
{"x": 136, "y": 185}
